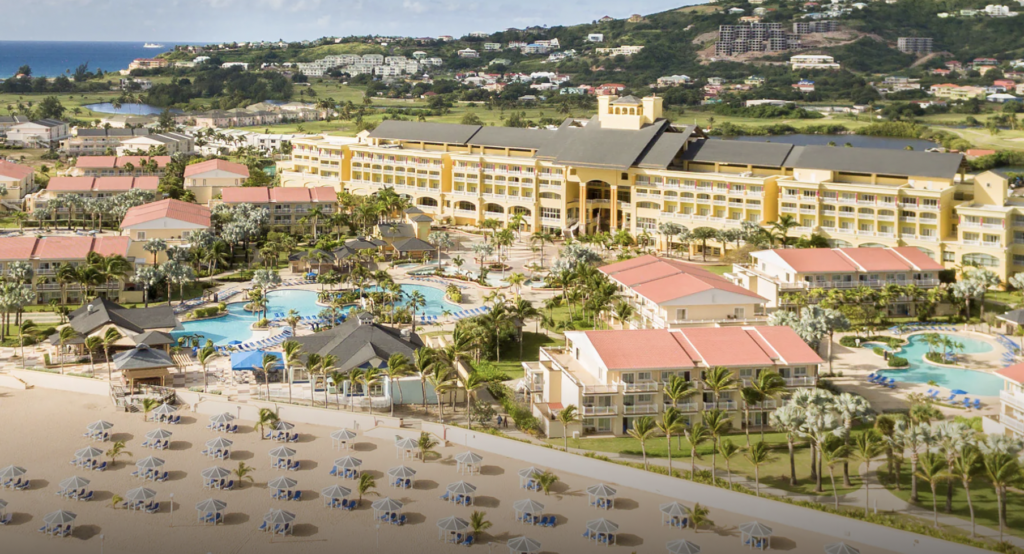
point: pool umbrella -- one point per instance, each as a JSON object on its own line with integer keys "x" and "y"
{"x": 673, "y": 509}
{"x": 218, "y": 442}
{"x": 164, "y": 410}
{"x": 10, "y": 472}
{"x": 211, "y": 505}
{"x": 281, "y": 452}
{"x": 840, "y": 548}
{"x": 215, "y": 473}
{"x": 756, "y": 529}
{"x": 452, "y": 524}
{"x": 387, "y": 505}
{"x": 234, "y": 342}
{"x": 75, "y": 482}
{"x": 461, "y": 487}
{"x": 283, "y": 426}
{"x": 279, "y": 517}
{"x": 222, "y": 419}
{"x": 469, "y": 458}
{"x": 140, "y": 494}
{"x": 282, "y": 483}
{"x": 528, "y": 506}
{"x": 348, "y": 462}
{"x": 682, "y": 546}
{"x": 602, "y": 526}
{"x": 159, "y": 434}
{"x": 523, "y": 544}
{"x": 253, "y": 360}
{"x": 343, "y": 435}
{"x": 60, "y": 517}
{"x": 99, "y": 426}
{"x": 335, "y": 491}
{"x": 89, "y": 452}
{"x": 149, "y": 463}
{"x": 402, "y": 472}
{"x": 954, "y": 391}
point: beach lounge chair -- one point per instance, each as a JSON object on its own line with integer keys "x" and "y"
{"x": 262, "y": 527}
{"x": 153, "y": 509}
{"x": 86, "y": 497}
{"x": 44, "y": 529}
{"x": 24, "y": 485}
{"x": 950, "y": 399}
{"x": 334, "y": 471}
{"x": 967, "y": 403}
{"x": 446, "y": 495}
{"x": 229, "y": 486}
{"x": 162, "y": 478}
{"x": 468, "y": 541}
{"x": 934, "y": 395}
{"x": 298, "y": 496}
{"x": 6, "y": 519}
{"x": 408, "y": 483}
{"x": 977, "y": 403}
{"x": 65, "y": 532}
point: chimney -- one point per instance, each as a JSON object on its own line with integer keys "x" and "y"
{"x": 365, "y": 318}
{"x": 406, "y": 333}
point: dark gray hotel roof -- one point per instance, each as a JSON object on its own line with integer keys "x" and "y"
{"x": 738, "y": 152}
{"x": 661, "y": 154}
{"x": 876, "y": 160}
{"x": 593, "y": 146}
{"x": 447, "y": 133}
{"x": 511, "y": 137}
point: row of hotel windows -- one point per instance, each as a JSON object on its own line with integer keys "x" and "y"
{"x": 829, "y": 196}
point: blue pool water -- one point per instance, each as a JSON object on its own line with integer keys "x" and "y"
{"x": 920, "y": 371}
{"x": 235, "y": 325}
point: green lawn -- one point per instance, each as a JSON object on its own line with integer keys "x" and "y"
{"x": 774, "y": 474}
{"x": 718, "y": 269}
{"x": 511, "y": 361}
{"x": 982, "y": 496}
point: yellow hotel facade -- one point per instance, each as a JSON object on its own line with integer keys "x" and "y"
{"x": 633, "y": 169}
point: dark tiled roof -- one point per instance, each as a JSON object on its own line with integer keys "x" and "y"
{"x": 447, "y": 133}
{"x": 154, "y": 338}
{"x": 413, "y": 245}
{"x": 739, "y": 152}
{"x": 142, "y": 357}
{"x": 511, "y": 137}
{"x": 876, "y": 160}
{"x": 356, "y": 343}
{"x": 661, "y": 154}
{"x": 594, "y": 146}
{"x": 101, "y": 312}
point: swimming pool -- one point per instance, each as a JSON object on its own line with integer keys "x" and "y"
{"x": 921, "y": 371}
{"x": 236, "y": 325}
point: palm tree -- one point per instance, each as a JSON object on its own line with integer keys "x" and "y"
{"x": 750, "y": 396}
{"x": 850, "y": 408}
{"x": 834, "y": 452}
{"x": 268, "y": 363}
{"x": 367, "y": 379}
{"x": 398, "y": 366}
{"x": 728, "y": 450}
{"x": 478, "y": 523}
{"x": 1002, "y": 470}
{"x": 671, "y": 423}
{"x": 719, "y": 379}
{"x": 426, "y": 445}
{"x": 148, "y": 405}
{"x": 780, "y": 229}
{"x": 718, "y": 424}
{"x": 567, "y": 416}
{"x": 109, "y": 338}
{"x": 643, "y": 429}
{"x": 92, "y": 344}
{"x": 545, "y": 481}
{"x": 698, "y": 516}
{"x": 768, "y": 384}
{"x": 865, "y": 448}
{"x": 424, "y": 360}
{"x": 933, "y": 470}
{"x": 758, "y": 455}
{"x": 206, "y": 355}
{"x": 291, "y": 350}
{"x": 244, "y": 473}
{"x": 154, "y": 247}
{"x": 441, "y": 380}
{"x": 471, "y": 383}
{"x": 27, "y": 328}
{"x": 63, "y": 336}
{"x": 966, "y": 467}
{"x": 266, "y": 418}
{"x": 696, "y": 434}
{"x": 366, "y": 487}
{"x": 116, "y": 451}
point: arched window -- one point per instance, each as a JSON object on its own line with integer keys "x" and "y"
{"x": 551, "y": 195}
{"x": 463, "y": 205}
{"x": 871, "y": 245}
{"x": 521, "y": 210}
{"x": 426, "y": 201}
{"x": 496, "y": 208}
{"x": 982, "y": 260}
{"x": 836, "y": 243}
{"x": 648, "y": 205}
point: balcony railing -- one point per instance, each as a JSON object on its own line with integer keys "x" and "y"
{"x": 640, "y": 409}
{"x": 599, "y": 410}
{"x": 465, "y": 213}
{"x": 720, "y": 405}
{"x": 686, "y": 407}
{"x": 1016, "y": 400}
{"x": 1014, "y": 425}
{"x": 800, "y": 381}
{"x": 600, "y": 389}
{"x": 646, "y": 386}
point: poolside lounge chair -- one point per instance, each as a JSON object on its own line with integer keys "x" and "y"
{"x": 967, "y": 403}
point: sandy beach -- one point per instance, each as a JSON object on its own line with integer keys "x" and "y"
{"x": 43, "y": 428}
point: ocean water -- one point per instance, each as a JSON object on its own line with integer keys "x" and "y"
{"x": 53, "y": 58}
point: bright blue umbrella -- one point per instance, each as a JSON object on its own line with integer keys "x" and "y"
{"x": 958, "y": 391}
{"x": 245, "y": 361}
{"x": 234, "y": 342}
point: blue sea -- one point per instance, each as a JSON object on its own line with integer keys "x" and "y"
{"x": 53, "y": 58}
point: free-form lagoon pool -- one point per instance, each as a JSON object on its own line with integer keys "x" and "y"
{"x": 236, "y": 325}
{"x": 921, "y": 371}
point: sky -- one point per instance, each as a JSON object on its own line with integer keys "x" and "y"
{"x": 249, "y": 20}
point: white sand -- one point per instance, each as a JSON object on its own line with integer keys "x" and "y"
{"x": 43, "y": 428}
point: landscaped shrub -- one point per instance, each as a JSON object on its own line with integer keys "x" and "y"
{"x": 878, "y": 350}
{"x": 937, "y": 357}
{"x": 896, "y": 361}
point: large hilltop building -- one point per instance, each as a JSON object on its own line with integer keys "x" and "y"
{"x": 629, "y": 168}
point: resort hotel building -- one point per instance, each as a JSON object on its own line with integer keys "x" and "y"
{"x": 617, "y": 376}
{"x": 629, "y": 168}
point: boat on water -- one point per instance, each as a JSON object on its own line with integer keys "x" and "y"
{"x": 152, "y": 45}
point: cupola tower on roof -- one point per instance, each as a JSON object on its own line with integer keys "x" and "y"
{"x": 628, "y": 112}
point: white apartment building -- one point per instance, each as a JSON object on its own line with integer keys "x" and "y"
{"x": 620, "y": 51}
{"x": 813, "y": 61}
{"x": 1010, "y": 420}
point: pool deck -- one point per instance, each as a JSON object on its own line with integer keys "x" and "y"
{"x": 857, "y": 363}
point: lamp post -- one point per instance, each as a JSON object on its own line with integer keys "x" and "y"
{"x": 101, "y": 544}
{"x": 172, "y": 510}
{"x": 378, "y": 537}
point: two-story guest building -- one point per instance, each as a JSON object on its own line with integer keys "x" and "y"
{"x": 287, "y": 207}
{"x": 614, "y": 377}
{"x": 46, "y": 254}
